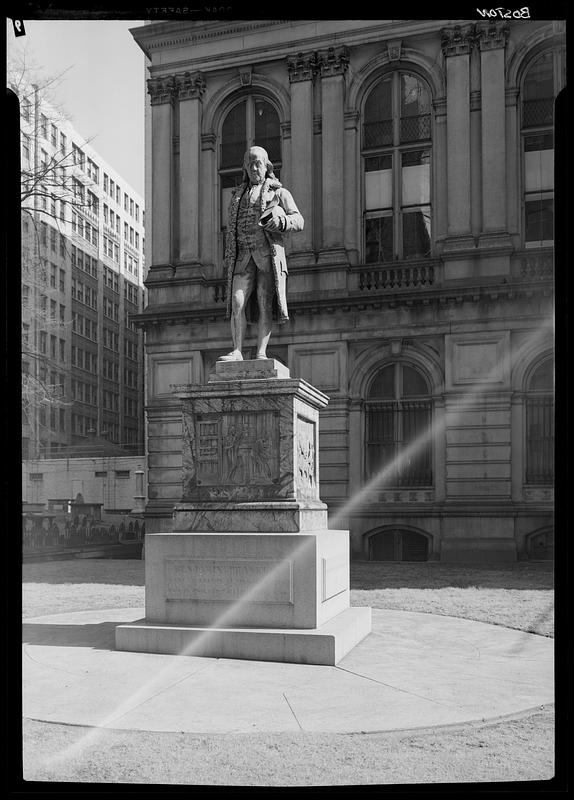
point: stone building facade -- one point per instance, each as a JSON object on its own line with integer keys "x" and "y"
{"x": 420, "y": 154}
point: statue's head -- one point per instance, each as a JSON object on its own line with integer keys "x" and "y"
{"x": 256, "y": 165}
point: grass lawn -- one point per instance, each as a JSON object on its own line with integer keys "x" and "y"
{"x": 516, "y": 595}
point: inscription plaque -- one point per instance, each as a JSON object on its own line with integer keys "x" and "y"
{"x": 229, "y": 580}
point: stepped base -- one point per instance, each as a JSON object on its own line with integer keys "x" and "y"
{"x": 325, "y": 645}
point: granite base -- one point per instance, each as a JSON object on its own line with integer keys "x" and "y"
{"x": 325, "y": 645}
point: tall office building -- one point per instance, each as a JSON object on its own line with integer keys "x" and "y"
{"x": 82, "y": 280}
{"x": 420, "y": 153}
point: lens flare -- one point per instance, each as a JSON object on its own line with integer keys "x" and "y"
{"x": 431, "y": 433}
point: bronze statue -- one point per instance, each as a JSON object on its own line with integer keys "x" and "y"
{"x": 260, "y": 212}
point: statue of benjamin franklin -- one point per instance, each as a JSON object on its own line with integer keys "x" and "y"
{"x": 260, "y": 212}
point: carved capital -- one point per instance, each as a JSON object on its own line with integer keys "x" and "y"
{"x": 161, "y": 90}
{"x": 190, "y": 85}
{"x": 458, "y": 40}
{"x": 492, "y": 35}
{"x": 333, "y": 61}
{"x": 302, "y": 67}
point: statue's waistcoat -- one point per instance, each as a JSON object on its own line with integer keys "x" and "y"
{"x": 274, "y": 241}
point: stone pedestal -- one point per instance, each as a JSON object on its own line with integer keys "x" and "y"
{"x": 250, "y": 569}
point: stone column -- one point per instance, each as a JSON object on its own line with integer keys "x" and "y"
{"x": 333, "y": 64}
{"x": 456, "y": 43}
{"x": 301, "y": 70}
{"x": 352, "y": 185}
{"x": 492, "y": 38}
{"x": 513, "y": 163}
{"x": 162, "y": 91}
{"x": 191, "y": 87}
{"x": 210, "y": 219}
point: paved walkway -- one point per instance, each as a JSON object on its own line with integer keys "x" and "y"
{"x": 413, "y": 671}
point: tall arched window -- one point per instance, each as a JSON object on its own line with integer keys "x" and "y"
{"x": 542, "y": 82}
{"x": 398, "y": 427}
{"x": 253, "y": 120}
{"x": 396, "y": 152}
{"x": 540, "y": 424}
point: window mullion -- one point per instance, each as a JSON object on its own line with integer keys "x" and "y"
{"x": 250, "y": 122}
{"x": 397, "y": 237}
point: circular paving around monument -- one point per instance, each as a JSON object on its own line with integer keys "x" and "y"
{"x": 413, "y": 671}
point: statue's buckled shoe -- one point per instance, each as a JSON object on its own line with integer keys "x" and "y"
{"x": 235, "y": 355}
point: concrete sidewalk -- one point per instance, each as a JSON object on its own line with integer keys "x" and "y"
{"x": 413, "y": 671}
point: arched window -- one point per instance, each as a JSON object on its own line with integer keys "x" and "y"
{"x": 396, "y": 152}
{"x": 540, "y": 425}
{"x": 542, "y": 82}
{"x": 398, "y": 545}
{"x": 398, "y": 424}
{"x": 253, "y": 120}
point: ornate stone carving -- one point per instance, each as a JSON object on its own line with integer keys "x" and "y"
{"x": 190, "y": 85}
{"x": 302, "y": 67}
{"x": 161, "y": 90}
{"x": 492, "y": 35}
{"x": 245, "y": 75}
{"x": 333, "y": 61}
{"x": 394, "y": 50}
{"x": 458, "y": 40}
{"x": 305, "y": 478}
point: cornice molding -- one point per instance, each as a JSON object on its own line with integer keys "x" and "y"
{"x": 148, "y": 41}
{"x": 441, "y": 297}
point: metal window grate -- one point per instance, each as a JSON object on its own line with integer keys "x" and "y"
{"x": 540, "y": 439}
{"x": 376, "y": 134}
{"x": 417, "y": 128}
{"x": 538, "y": 112}
{"x": 398, "y": 441}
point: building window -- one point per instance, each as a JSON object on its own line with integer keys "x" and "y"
{"x": 26, "y": 108}
{"x": 540, "y": 425}
{"x": 398, "y": 414}
{"x": 251, "y": 121}
{"x": 542, "y": 82}
{"x": 26, "y": 147}
{"x": 396, "y": 151}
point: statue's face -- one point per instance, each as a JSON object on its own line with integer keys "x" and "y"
{"x": 256, "y": 166}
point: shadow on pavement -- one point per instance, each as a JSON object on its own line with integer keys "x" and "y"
{"x": 99, "y": 636}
